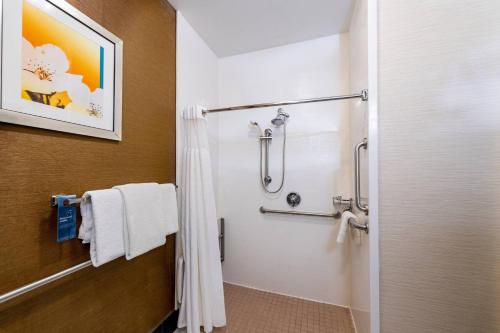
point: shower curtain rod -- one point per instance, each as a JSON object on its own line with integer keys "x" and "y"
{"x": 363, "y": 95}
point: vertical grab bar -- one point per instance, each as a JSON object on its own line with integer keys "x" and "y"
{"x": 357, "y": 175}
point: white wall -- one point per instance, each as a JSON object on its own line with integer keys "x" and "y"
{"x": 196, "y": 84}
{"x": 360, "y": 265}
{"x": 291, "y": 255}
{"x": 439, "y": 84}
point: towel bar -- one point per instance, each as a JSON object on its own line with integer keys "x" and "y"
{"x": 67, "y": 202}
{"x": 73, "y": 201}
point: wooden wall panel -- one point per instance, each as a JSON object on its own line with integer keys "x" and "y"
{"x": 122, "y": 296}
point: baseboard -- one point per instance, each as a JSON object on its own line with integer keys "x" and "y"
{"x": 353, "y": 321}
{"x": 169, "y": 324}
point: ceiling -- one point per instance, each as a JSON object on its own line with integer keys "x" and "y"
{"x": 232, "y": 27}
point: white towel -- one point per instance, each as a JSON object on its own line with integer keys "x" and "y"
{"x": 102, "y": 225}
{"x": 344, "y": 223}
{"x": 144, "y": 221}
{"x": 169, "y": 205}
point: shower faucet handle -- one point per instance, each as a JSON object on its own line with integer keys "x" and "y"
{"x": 340, "y": 201}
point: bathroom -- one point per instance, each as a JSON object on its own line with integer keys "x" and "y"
{"x": 254, "y": 166}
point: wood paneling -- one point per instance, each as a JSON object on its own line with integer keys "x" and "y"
{"x": 122, "y": 296}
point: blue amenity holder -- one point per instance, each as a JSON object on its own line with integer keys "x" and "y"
{"x": 66, "y": 219}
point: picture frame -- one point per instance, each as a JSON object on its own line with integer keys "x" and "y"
{"x": 60, "y": 70}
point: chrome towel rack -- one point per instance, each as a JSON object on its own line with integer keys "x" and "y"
{"x": 67, "y": 202}
{"x": 74, "y": 201}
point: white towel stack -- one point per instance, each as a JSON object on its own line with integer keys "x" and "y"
{"x": 145, "y": 220}
{"x": 128, "y": 219}
{"x": 102, "y": 225}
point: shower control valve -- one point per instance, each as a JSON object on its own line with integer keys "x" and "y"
{"x": 293, "y": 199}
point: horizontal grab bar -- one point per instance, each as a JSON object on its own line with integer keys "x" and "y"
{"x": 336, "y": 215}
{"x": 363, "y": 227}
{"x": 293, "y": 212}
{"x": 37, "y": 284}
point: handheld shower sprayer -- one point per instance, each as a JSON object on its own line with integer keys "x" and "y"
{"x": 256, "y": 124}
{"x": 265, "y": 140}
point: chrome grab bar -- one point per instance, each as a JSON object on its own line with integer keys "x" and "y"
{"x": 293, "y": 212}
{"x": 37, "y": 284}
{"x": 357, "y": 175}
{"x": 363, "y": 227}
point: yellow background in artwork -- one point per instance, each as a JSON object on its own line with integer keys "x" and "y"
{"x": 83, "y": 54}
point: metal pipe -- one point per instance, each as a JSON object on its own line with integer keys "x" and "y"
{"x": 293, "y": 212}
{"x": 37, "y": 284}
{"x": 357, "y": 175}
{"x": 363, "y": 95}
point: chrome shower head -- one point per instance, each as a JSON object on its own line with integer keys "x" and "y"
{"x": 281, "y": 118}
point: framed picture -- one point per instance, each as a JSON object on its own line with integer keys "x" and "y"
{"x": 60, "y": 70}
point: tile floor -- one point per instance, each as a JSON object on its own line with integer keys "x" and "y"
{"x": 255, "y": 311}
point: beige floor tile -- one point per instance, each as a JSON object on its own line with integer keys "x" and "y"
{"x": 253, "y": 311}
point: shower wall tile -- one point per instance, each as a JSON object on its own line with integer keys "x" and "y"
{"x": 196, "y": 85}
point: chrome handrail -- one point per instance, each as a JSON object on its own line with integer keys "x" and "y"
{"x": 37, "y": 284}
{"x": 363, "y": 227}
{"x": 293, "y": 212}
{"x": 357, "y": 175}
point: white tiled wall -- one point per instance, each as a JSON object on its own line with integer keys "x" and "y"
{"x": 291, "y": 255}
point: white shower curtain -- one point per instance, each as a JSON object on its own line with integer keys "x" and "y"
{"x": 202, "y": 290}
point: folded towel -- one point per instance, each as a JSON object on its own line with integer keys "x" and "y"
{"x": 344, "y": 223}
{"x": 144, "y": 221}
{"x": 169, "y": 205}
{"x": 102, "y": 225}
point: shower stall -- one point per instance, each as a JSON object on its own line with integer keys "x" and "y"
{"x": 290, "y": 145}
